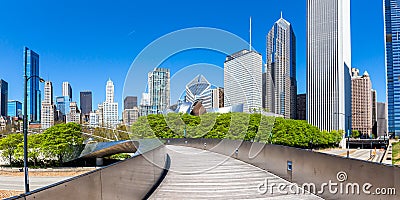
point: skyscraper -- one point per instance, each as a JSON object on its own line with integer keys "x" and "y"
{"x": 14, "y": 109}
{"x": 243, "y": 80}
{"x": 301, "y": 106}
{"x": 109, "y": 108}
{"x": 86, "y": 104}
{"x": 48, "y": 109}
{"x": 329, "y": 64}
{"x": 361, "y": 87}
{"x": 392, "y": 53}
{"x": 130, "y": 102}
{"x": 60, "y": 106}
{"x": 31, "y": 64}
{"x": 67, "y": 90}
{"x": 110, "y": 91}
{"x": 381, "y": 112}
{"x": 281, "y": 84}
{"x": 3, "y": 98}
{"x": 159, "y": 89}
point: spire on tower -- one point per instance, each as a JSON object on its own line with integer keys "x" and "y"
{"x": 250, "y": 34}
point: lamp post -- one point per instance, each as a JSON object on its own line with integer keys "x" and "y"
{"x": 25, "y": 129}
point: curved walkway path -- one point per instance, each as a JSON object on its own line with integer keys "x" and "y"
{"x": 199, "y": 174}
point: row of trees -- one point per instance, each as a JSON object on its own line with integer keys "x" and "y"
{"x": 236, "y": 126}
{"x": 52, "y": 147}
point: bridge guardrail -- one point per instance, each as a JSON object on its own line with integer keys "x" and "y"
{"x": 132, "y": 178}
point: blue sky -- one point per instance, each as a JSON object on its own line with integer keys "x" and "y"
{"x": 87, "y": 42}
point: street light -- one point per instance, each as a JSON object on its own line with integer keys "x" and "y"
{"x": 25, "y": 125}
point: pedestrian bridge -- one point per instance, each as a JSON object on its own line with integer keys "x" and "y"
{"x": 221, "y": 169}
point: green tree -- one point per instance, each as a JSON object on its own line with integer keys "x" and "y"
{"x": 58, "y": 140}
{"x": 9, "y": 146}
{"x": 355, "y": 134}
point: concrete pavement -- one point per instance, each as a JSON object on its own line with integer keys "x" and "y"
{"x": 199, "y": 174}
{"x": 17, "y": 182}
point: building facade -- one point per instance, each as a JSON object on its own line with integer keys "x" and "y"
{"x": 381, "y": 112}
{"x": 48, "y": 108}
{"x": 31, "y": 63}
{"x": 60, "y": 107}
{"x": 67, "y": 90}
{"x": 109, "y": 108}
{"x": 361, "y": 87}
{"x": 85, "y": 101}
{"x": 392, "y": 53}
{"x": 14, "y": 109}
{"x": 280, "y": 78}
{"x": 199, "y": 89}
{"x": 130, "y": 116}
{"x": 243, "y": 80}
{"x": 329, "y": 64}
{"x": 74, "y": 115}
{"x": 301, "y": 107}
{"x": 217, "y": 98}
{"x": 130, "y": 102}
{"x": 3, "y": 98}
{"x": 159, "y": 89}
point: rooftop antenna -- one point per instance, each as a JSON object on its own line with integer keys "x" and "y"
{"x": 281, "y": 15}
{"x": 250, "y": 33}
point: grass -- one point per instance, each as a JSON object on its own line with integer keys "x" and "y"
{"x": 396, "y": 153}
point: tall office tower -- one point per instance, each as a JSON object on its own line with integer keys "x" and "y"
{"x": 14, "y": 109}
{"x": 85, "y": 102}
{"x": 110, "y": 91}
{"x": 110, "y": 108}
{"x": 130, "y": 102}
{"x": 329, "y": 64}
{"x": 199, "y": 89}
{"x": 48, "y": 109}
{"x": 74, "y": 115}
{"x": 301, "y": 107}
{"x": 145, "y": 107}
{"x": 381, "y": 112}
{"x": 67, "y": 90}
{"x": 392, "y": 53}
{"x": 362, "y": 103}
{"x": 3, "y": 97}
{"x": 31, "y": 64}
{"x": 60, "y": 106}
{"x": 374, "y": 111}
{"x": 243, "y": 80}
{"x": 159, "y": 89}
{"x": 217, "y": 97}
{"x": 130, "y": 116}
{"x": 281, "y": 84}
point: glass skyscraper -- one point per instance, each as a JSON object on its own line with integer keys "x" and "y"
{"x": 14, "y": 109}
{"x": 159, "y": 89}
{"x": 31, "y": 63}
{"x": 281, "y": 85}
{"x": 392, "y": 38}
{"x": 3, "y": 97}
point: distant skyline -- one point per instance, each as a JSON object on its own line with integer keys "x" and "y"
{"x": 87, "y": 43}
